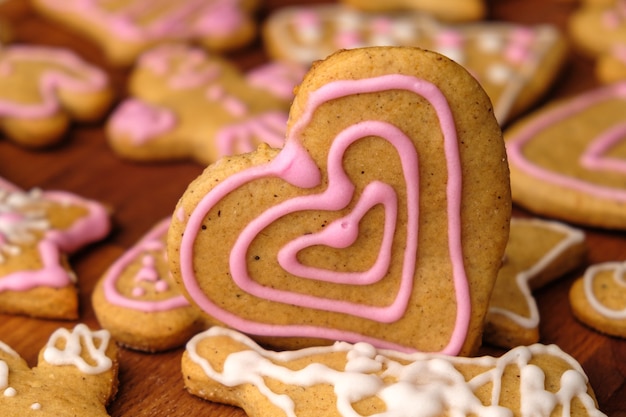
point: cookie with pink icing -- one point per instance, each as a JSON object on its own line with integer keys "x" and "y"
{"x": 568, "y": 159}
{"x": 187, "y": 103}
{"x": 538, "y": 252}
{"x": 450, "y": 10}
{"x": 124, "y": 29}
{"x": 598, "y": 298}
{"x": 38, "y": 230}
{"x": 361, "y": 227}
{"x": 76, "y": 376}
{"x": 44, "y": 89}
{"x": 139, "y": 304}
{"x": 514, "y": 63}
{"x": 359, "y": 380}
{"x": 598, "y": 29}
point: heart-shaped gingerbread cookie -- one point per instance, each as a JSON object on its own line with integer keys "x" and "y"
{"x": 383, "y": 219}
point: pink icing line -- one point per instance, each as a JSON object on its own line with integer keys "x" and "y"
{"x": 268, "y": 127}
{"x": 515, "y": 145}
{"x": 141, "y": 121}
{"x": 294, "y": 165}
{"x": 595, "y": 159}
{"x": 188, "y": 18}
{"x": 95, "y": 225}
{"x": 91, "y": 79}
{"x": 111, "y": 293}
{"x": 341, "y": 234}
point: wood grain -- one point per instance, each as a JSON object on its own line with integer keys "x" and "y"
{"x": 142, "y": 194}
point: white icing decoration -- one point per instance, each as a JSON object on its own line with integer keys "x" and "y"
{"x": 4, "y": 375}
{"x": 619, "y": 276}
{"x": 19, "y": 221}
{"x": 71, "y": 353}
{"x": 35, "y": 406}
{"x": 571, "y": 237}
{"x": 10, "y": 392}
{"x": 411, "y": 385}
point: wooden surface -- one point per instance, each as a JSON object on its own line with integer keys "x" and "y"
{"x": 142, "y": 194}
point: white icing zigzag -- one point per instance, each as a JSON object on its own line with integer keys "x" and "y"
{"x": 412, "y": 385}
{"x": 96, "y": 343}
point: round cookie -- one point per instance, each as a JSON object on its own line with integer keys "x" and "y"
{"x": 567, "y": 159}
{"x": 598, "y": 298}
{"x": 383, "y": 219}
{"x": 451, "y": 10}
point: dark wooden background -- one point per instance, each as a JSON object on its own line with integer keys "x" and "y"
{"x": 142, "y": 194}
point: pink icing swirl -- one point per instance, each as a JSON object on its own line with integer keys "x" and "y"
{"x": 295, "y": 166}
{"x": 593, "y": 157}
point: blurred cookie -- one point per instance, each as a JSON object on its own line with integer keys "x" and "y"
{"x": 124, "y": 29}
{"x": 450, "y": 10}
{"x": 43, "y": 89}
{"x": 514, "y": 63}
{"x": 538, "y": 252}
{"x": 186, "y": 103}
{"x": 38, "y": 229}
{"x": 568, "y": 159}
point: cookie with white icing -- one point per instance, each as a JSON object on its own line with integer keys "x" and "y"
{"x": 186, "y": 103}
{"x": 358, "y": 380}
{"x": 76, "y": 376}
{"x": 568, "y": 158}
{"x": 38, "y": 230}
{"x": 514, "y": 63}
{"x": 123, "y": 30}
{"x": 538, "y": 252}
{"x": 139, "y": 304}
{"x": 363, "y": 225}
{"x": 598, "y": 298}
{"x": 43, "y": 90}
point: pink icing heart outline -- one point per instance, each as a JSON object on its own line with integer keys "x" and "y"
{"x": 294, "y": 165}
{"x": 592, "y": 154}
{"x": 342, "y": 233}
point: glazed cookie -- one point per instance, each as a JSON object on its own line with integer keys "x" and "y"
{"x": 124, "y": 29}
{"x": 42, "y": 89}
{"x": 515, "y": 64}
{"x": 76, "y": 376}
{"x": 359, "y": 380}
{"x": 319, "y": 241}
{"x": 37, "y": 231}
{"x": 137, "y": 302}
{"x": 538, "y": 252}
{"x": 598, "y": 299}
{"x": 567, "y": 160}
{"x": 451, "y": 10}
{"x": 186, "y": 103}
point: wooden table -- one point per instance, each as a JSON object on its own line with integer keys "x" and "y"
{"x": 142, "y": 194}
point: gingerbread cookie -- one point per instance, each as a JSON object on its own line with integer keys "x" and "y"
{"x": 538, "y": 252}
{"x": 338, "y": 236}
{"x": 38, "y": 229}
{"x": 611, "y": 67}
{"x": 451, "y": 10}
{"x": 567, "y": 159}
{"x": 186, "y": 103}
{"x": 598, "y": 298}
{"x": 124, "y": 29}
{"x": 42, "y": 89}
{"x": 358, "y": 380}
{"x": 596, "y": 28}
{"x": 139, "y": 304}
{"x": 76, "y": 376}
{"x": 514, "y": 63}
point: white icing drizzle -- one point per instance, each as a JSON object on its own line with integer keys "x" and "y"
{"x": 619, "y": 276}
{"x": 19, "y": 221}
{"x": 10, "y": 392}
{"x": 410, "y": 385}
{"x": 571, "y": 237}
{"x": 4, "y": 375}
{"x": 4, "y": 370}
{"x": 71, "y": 352}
